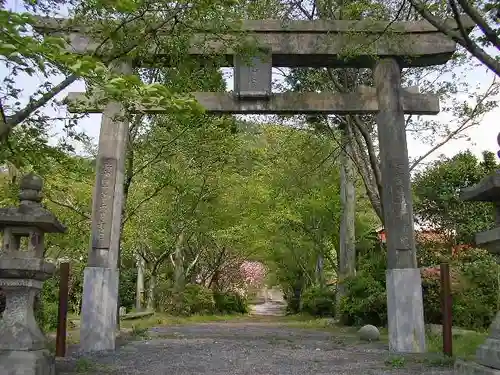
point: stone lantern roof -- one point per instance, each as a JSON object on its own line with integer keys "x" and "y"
{"x": 30, "y": 212}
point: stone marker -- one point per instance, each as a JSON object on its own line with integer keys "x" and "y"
{"x": 123, "y": 310}
{"x": 22, "y": 272}
{"x": 369, "y": 333}
{"x": 101, "y": 276}
{"x": 488, "y": 354}
{"x": 405, "y": 310}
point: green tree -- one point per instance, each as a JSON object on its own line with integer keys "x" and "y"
{"x": 437, "y": 196}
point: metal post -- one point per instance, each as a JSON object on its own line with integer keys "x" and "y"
{"x": 63, "y": 310}
{"x": 446, "y": 304}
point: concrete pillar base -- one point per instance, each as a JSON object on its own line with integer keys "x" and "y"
{"x": 98, "y": 318}
{"x": 405, "y": 311}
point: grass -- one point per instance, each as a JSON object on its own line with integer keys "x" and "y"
{"x": 464, "y": 345}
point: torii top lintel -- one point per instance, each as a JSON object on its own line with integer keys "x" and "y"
{"x": 305, "y": 43}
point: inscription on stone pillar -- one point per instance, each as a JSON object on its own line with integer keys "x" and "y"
{"x": 104, "y": 198}
{"x": 253, "y": 79}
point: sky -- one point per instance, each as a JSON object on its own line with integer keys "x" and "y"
{"x": 480, "y": 138}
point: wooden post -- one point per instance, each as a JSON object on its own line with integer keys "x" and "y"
{"x": 63, "y": 309}
{"x": 446, "y": 305}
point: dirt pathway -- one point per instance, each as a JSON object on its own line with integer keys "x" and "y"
{"x": 246, "y": 348}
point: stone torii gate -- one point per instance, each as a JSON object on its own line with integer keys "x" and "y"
{"x": 385, "y": 47}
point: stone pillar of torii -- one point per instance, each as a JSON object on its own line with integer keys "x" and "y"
{"x": 384, "y": 47}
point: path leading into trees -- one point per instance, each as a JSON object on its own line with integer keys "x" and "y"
{"x": 253, "y": 347}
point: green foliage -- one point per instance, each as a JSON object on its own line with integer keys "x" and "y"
{"x": 230, "y": 303}
{"x": 127, "y": 287}
{"x": 366, "y": 300}
{"x": 198, "y": 300}
{"x": 474, "y": 289}
{"x": 46, "y": 305}
{"x": 437, "y": 196}
{"x": 318, "y": 301}
{"x": 195, "y": 299}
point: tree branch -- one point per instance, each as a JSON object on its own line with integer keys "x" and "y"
{"x": 32, "y": 106}
{"x": 480, "y": 22}
{"x": 473, "y": 48}
{"x": 466, "y": 124}
{"x": 69, "y": 206}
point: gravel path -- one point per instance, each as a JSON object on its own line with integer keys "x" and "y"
{"x": 270, "y": 308}
{"x": 246, "y": 348}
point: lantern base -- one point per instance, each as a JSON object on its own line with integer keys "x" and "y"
{"x": 36, "y": 362}
{"x": 473, "y": 368}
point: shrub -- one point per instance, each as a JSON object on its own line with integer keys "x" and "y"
{"x": 365, "y": 301}
{"x": 194, "y": 299}
{"x": 474, "y": 280}
{"x": 46, "y": 304}
{"x": 46, "y": 315}
{"x": 230, "y": 303}
{"x": 318, "y": 301}
{"x": 127, "y": 287}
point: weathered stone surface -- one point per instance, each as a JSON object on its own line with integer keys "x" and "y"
{"x": 472, "y": 368}
{"x": 489, "y": 240}
{"x": 99, "y": 309}
{"x": 487, "y": 190}
{"x": 301, "y": 44}
{"x": 369, "y": 333}
{"x": 253, "y": 79}
{"x": 100, "y": 286}
{"x": 107, "y": 200}
{"x": 364, "y": 100}
{"x": 123, "y": 310}
{"x": 18, "y": 328}
{"x": 405, "y": 310}
{"x": 394, "y": 165}
{"x": 22, "y": 272}
{"x": 39, "y": 362}
{"x": 25, "y": 268}
{"x": 488, "y": 354}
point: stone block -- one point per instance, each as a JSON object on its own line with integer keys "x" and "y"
{"x": 490, "y": 240}
{"x": 472, "y": 368}
{"x": 38, "y": 362}
{"x": 488, "y": 354}
{"x": 369, "y": 333}
{"x": 98, "y": 319}
{"x": 405, "y": 311}
{"x": 18, "y": 328}
{"x": 123, "y": 310}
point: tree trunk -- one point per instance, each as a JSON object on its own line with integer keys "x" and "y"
{"x": 151, "y": 292}
{"x": 347, "y": 249}
{"x": 319, "y": 270}
{"x": 139, "y": 296}
{"x": 179, "y": 275}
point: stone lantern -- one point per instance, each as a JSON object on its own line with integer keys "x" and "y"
{"x": 22, "y": 273}
{"x": 488, "y": 354}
